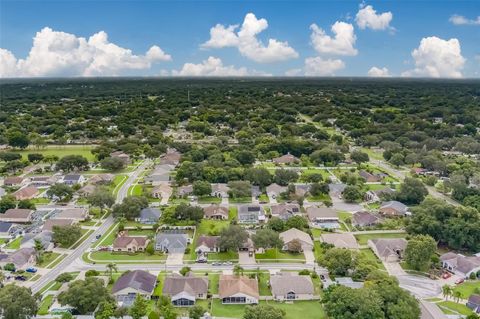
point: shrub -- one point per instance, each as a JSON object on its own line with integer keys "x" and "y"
{"x": 92, "y": 273}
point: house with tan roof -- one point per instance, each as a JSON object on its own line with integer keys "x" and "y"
{"x": 274, "y": 190}
{"x": 172, "y": 157}
{"x": 238, "y": 289}
{"x": 86, "y": 190}
{"x": 207, "y": 244}
{"x": 459, "y": 264}
{"x": 220, "y": 190}
{"x": 323, "y": 217}
{"x": 289, "y": 286}
{"x": 164, "y": 190}
{"x": 130, "y": 243}
{"x": 13, "y": 181}
{"x": 285, "y": 210}
{"x": 100, "y": 179}
{"x": 28, "y": 192}
{"x": 286, "y": 159}
{"x": 78, "y": 214}
{"x": 393, "y": 209}
{"x": 364, "y": 219}
{"x": 185, "y": 290}
{"x": 23, "y": 258}
{"x": 52, "y": 222}
{"x": 346, "y": 241}
{"x": 17, "y": 215}
{"x": 294, "y": 234}
{"x": 388, "y": 249}
{"x": 121, "y": 155}
{"x": 215, "y": 211}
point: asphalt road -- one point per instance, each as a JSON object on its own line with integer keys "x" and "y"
{"x": 78, "y": 252}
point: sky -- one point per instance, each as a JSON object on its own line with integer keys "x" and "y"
{"x": 396, "y": 38}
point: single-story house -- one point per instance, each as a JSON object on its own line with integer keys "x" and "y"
{"x": 393, "y": 208}
{"x": 42, "y": 181}
{"x": 459, "y": 264}
{"x": 6, "y": 229}
{"x": 323, "y": 217}
{"x": 220, "y": 190}
{"x": 130, "y": 243}
{"x": 101, "y": 179}
{"x": 286, "y": 159}
{"x": 185, "y": 190}
{"x": 72, "y": 179}
{"x": 207, "y": 244}
{"x": 274, "y": 190}
{"x": 13, "y": 181}
{"x": 185, "y": 290}
{"x": 78, "y": 214}
{"x": 17, "y": 215}
{"x": 250, "y": 214}
{"x": 50, "y": 223}
{"x": 347, "y": 241}
{"x": 285, "y": 210}
{"x": 133, "y": 283}
{"x": 388, "y": 249}
{"x": 163, "y": 190}
{"x": 215, "y": 211}
{"x": 44, "y": 237}
{"x": 121, "y": 155}
{"x": 149, "y": 215}
{"x": 86, "y": 190}
{"x": 290, "y": 286}
{"x": 363, "y": 219}
{"x": 23, "y": 258}
{"x": 474, "y": 303}
{"x": 171, "y": 242}
{"x": 371, "y": 178}
{"x": 28, "y": 192}
{"x": 238, "y": 289}
{"x": 294, "y": 234}
{"x": 377, "y": 195}
{"x": 172, "y": 157}
{"x": 158, "y": 176}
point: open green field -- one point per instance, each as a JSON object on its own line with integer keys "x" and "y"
{"x": 363, "y": 238}
{"x": 307, "y": 172}
{"x": 60, "y": 151}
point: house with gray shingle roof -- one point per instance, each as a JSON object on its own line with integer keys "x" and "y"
{"x": 131, "y": 284}
{"x": 289, "y": 287}
{"x": 149, "y": 215}
{"x": 185, "y": 290}
{"x": 22, "y": 258}
{"x": 393, "y": 208}
{"x": 459, "y": 264}
{"x": 171, "y": 242}
{"x": 388, "y": 249}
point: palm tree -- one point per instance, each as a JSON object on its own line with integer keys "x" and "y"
{"x": 111, "y": 268}
{"x": 457, "y": 295}
{"x": 447, "y": 291}
{"x": 38, "y": 246}
{"x": 238, "y": 270}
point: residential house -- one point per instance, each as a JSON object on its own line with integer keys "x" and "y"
{"x": 17, "y": 215}
{"x": 215, "y": 211}
{"x": 393, "y": 209}
{"x": 171, "y": 242}
{"x": 130, "y": 243}
{"x": 78, "y": 214}
{"x": 172, "y": 157}
{"x": 45, "y": 238}
{"x": 289, "y": 286}
{"x": 346, "y": 241}
{"x": 13, "y": 181}
{"x": 207, "y": 244}
{"x": 388, "y": 249}
{"x": 6, "y": 229}
{"x": 323, "y": 217}
{"x": 286, "y": 159}
{"x": 86, "y": 190}
{"x": 377, "y": 195}
{"x": 160, "y": 175}
{"x": 149, "y": 216}
{"x": 238, "y": 289}
{"x": 133, "y": 283}
{"x": 459, "y": 264}
{"x": 185, "y": 190}
{"x": 371, "y": 178}
{"x": 364, "y": 219}
{"x": 474, "y": 303}
{"x": 250, "y": 214}
{"x": 101, "y": 179}
{"x": 285, "y": 210}
{"x": 52, "y": 222}
{"x": 72, "y": 179}
{"x": 23, "y": 258}
{"x": 28, "y": 192}
{"x": 336, "y": 190}
{"x": 274, "y": 190}
{"x": 185, "y": 290}
{"x": 220, "y": 190}
{"x": 294, "y": 234}
{"x": 162, "y": 191}
{"x": 42, "y": 181}
{"x": 121, "y": 155}
{"x": 302, "y": 190}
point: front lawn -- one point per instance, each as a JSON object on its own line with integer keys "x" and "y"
{"x": 48, "y": 257}
{"x": 278, "y": 255}
{"x": 15, "y": 244}
{"x": 106, "y": 256}
{"x": 468, "y": 288}
{"x": 455, "y": 307}
{"x": 223, "y": 256}
{"x": 363, "y": 238}
{"x": 240, "y": 200}
{"x": 209, "y": 200}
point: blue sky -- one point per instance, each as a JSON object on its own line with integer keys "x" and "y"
{"x": 179, "y": 28}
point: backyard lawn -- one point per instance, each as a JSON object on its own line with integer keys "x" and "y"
{"x": 232, "y": 213}
{"x": 213, "y": 283}
{"x": 363, "y": 238}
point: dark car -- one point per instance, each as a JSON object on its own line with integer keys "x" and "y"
{"x": 21, "y": 278}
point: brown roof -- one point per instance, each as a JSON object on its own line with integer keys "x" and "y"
{"x": 213, "y": 210}
{"x": 315, "y": 212}
{"x": 285, "y": 159}
{"x": 364, "y": 219}
{"x": 230, "y": 285}
{"x": 175, "y": 284}
{"x": 283, "y": 283}
{"x": 17, "y": 213}
{"x": 49, "y": 223}
{"x": 124, "y": 241}
{"x": 340, "y": 240}
{"x": 26, "y": 192}
{"x": 74, "y": 213}
{"x": 13, "y": 180}
{"x": 209, "y": 241}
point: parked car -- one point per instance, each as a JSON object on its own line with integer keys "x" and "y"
{"x": 21, "y": 278}
{"x": 31, "y": 269}
{"x": 459, "y": 281}
{"x": 98, "y": 236}
{"x": 446, "y": 275}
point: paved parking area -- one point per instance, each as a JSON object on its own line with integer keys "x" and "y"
{"x": 245, "y": 259}
{"x": 174, "y": 259}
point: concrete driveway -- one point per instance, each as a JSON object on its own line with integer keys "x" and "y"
{"x": 245, "y": 259}
{"x": 174, "y": 259}
{"x": 394, "y": 269}
{"x": 309, "y": 257}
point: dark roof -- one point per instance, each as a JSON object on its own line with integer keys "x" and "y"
{"x": 72, "y": 177}
{"x": 364, "y": 219}
{"x": 137, "y": 279}
{"x": 209, "y": 241}
{"x": 150, "y": 213}
{"x": 474, "y": 299}
{"x": 189, "y": 284}
{"x": 5, "y": 227}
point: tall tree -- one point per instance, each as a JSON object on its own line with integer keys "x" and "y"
{"x": 17, "y": 302}
{"x": 85, "y": 295}
{"x": 419, "y": 251}
{"x": 139, "y": 308}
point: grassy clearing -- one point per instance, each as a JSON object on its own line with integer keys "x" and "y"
{"x": 363, "y": 238}
{"x": 60, "y": 151}
{"x": 15, "y": 244}
{"x": 369, "y": 255}
{"x": 45, "y": 305}
{"x": 158, "y": 289}
{"x": 232, "y": 213}
{"x": 468, "y": 288}
{"x": 455, "y": 307}
{"x": 213, "y": 280}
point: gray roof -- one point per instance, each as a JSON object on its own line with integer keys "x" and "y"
{"x": 250, "y": 209}
{"x": 315, "y": 212}
{"x": 399, "y": 207}
{"x": 45, "y": 237}
{"x": 139, "y": 280}
{"x": 175, "y": 284}
{"x": 5, "y": 227}
{"x": 388, "y": 246}
{"x": 150, "y": 213}
{"x": 364, "y": 219}
{"x": 72, "y": 177}
{"x": 460, "y": 262}
{"x": 284, "y": 283}
{"x": 172, "y": 240}
{"x": 20, "y": 257}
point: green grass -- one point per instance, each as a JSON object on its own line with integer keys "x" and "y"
{"x": 227, "y": 311}
{"x": 240, "y": 200}
{"x": 263, "y": 282}
{"x": 223, "y": 256}
{"x": 232, "y": 213}
{"x": 48, "y": 257}
{"x": 40, "y": 200}
{"x": 107, "y": 240}
{"x": 319, "y": 198}
{"x": 369, "y": 255}
{"x": 209, "y": 200}
{"x": 276, "y": 254}
{"x": 263, "y": 198}
{"x": 458, "y": 307}
{"x": 467, "y": 288}
{"x": 117, "y": 183}
{"x": 85, "y": 234}
{"x": 363, "y": 238}
{"x": 135, "y": 190}
{"x": 311, "y": 171}
{"x": 45, "y": 305}
{"x": 316, "y": 232}
{"x": 15, "y": 244}
{"x": 101, "y": 256}
{"x": 158, "y": 289}
{"x": 213, "y": 280}
{"x": 60, "y": 151}
{"x": 317, "y": 249}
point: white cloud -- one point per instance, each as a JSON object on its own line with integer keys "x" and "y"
{"x": 341, "y": 44}
{"x": 378, "y": 72}
{"x": 245, "y": 40}
{"x": 436, "y": 57}
{"x": 56, "y": 53}
{"x": 214, "y": 67}
{"x": 367, "y": 17}
{"x": 461, "y": 20}
{"x": 317, "y": 66}
{"x": 293, "y": 72}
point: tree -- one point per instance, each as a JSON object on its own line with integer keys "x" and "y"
{"x": 295, "y": 246}
{"x": 10, "y": 156}
{"x": 50, "y": 159}
{"x": 64, "y": 277}
{"x": 240, "y": 189}
{"x": 38, "y": 246}
{"x": 130, "y": 207}
{"x": 327, "y": 156}
{"x": 276, "y": 224}
{"x": 245, "y": 157}
{"x": 185, "y": 270}
{"x": 188, "y": 212}
{"x": 342, "y": 302}
{"x": 17, "y": 302}
{"x": 457, "y": 295}
{"x": 13, "y": 166}
{"x": 26, "y": 204}
{"x": 7, "y": 202}
{"x": 106, "y": 310}
{"x": 298, "y": 222}
{"x": 267, "y": 238}
{"x": 259, "y": 176}
{"x": 165, "y": 308}
{"x": 196, "y": 312}
{"x": 397, "y": 159}
{"x": 67, "y": 235}
{"x": 317, "y": 189}
{"x": 35, "y": 157}
{"x": 352, "y": 194}
{"x": 338, "y": 261}
{"x": 111, "y": 268}
{"x": 72, "y": 162}
{"x": 412, "y": 191}
{"x": 85, "y": 295}
{"x": 139, "y": 307}
{"x": 120, "y": 312}
{"x": 447, "y": 291}
{"x": 112, "y": 164}
{"x": 101, "y": 198}
{"x": 419, "y": 251}
{"x": 202, "y": 188}
{"x": 232, "y": 238}
{"x": 18, "y": 139}
{"x": 60, "y": 191}
{"x": 237, "y": 270}
{"x": 359, "y": 157}
{"x": 284, "y": 177}
{"x": 263, "y": 312}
